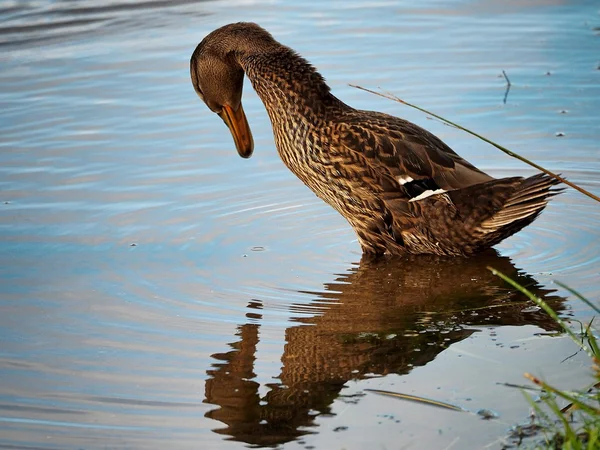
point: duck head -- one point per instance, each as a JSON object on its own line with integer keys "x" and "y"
{"x": 218, "y": 80}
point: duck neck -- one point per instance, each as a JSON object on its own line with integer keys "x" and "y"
{"x": 290, "y": 88}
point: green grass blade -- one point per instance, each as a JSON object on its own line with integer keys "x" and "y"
{"x": 579, "y": 296}
{"x": 588, "y": 332}
{"x": 542, "y": 304}
{"x": 564, "y": 395}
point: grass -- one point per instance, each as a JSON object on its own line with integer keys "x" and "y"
{"x": 575, "y": 426}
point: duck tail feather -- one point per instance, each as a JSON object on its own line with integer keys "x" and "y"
{"x": 524, "y": 205}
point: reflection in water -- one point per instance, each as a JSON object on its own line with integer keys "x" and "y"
{"x": 103, "y": 144}
{"x": 382, "y": 317}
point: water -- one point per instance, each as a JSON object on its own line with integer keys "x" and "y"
{"x": 158, "y": 291}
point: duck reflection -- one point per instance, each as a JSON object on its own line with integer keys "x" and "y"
{"x": 383, "y": 316}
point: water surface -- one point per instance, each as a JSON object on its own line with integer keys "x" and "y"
{"x": 158, "y": 291}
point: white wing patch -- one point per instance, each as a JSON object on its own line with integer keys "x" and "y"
{"x": 426, "y": 194}
{"x": 404, "y": 179}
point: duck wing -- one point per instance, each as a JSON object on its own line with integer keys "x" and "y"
{"x": 410, "y": 160}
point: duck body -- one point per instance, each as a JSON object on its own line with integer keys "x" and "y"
{"x": 400, "y": 187}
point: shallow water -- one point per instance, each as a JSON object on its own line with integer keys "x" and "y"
{"x": 158, "y": 291}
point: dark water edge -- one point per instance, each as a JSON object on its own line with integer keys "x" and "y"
{"x": 159, "y": 292}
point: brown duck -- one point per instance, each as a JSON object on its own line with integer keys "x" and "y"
{"x": 401, "y": 188}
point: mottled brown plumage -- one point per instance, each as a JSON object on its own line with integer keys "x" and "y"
{"x": 400, "y": 187}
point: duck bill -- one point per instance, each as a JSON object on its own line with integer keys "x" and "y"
{"x": 240, "y": 130}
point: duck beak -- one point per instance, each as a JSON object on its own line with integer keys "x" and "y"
{"x": 240, "y": 130}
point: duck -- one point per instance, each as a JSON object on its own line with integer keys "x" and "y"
{"x": 401, "y": 188}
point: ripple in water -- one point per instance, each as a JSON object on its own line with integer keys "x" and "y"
{"x": 158, "y": 291}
